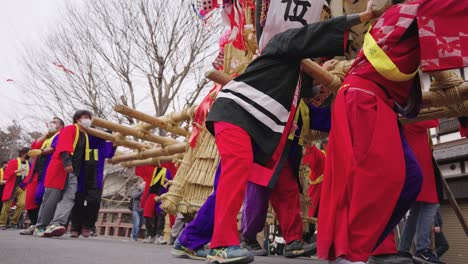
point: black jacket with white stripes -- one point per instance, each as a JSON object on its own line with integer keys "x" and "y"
{"x": 260, "y": 99}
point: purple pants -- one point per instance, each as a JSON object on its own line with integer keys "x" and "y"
{"x": 198, "y": 232}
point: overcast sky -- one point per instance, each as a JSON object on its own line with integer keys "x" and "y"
{"x": 22, "y": 22}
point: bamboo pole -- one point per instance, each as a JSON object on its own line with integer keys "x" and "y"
{"x": 433, "y": 113}
{"x": 152, "y": 161}
{"x": 150, "y": 153}
{"x": 151, "y": 122}
{"x": 133, "y": 132}
{"x": 114, "y": 139}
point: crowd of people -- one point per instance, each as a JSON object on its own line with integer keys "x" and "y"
{"x": 372, "y": 173}
{"x": 57, "y": 180}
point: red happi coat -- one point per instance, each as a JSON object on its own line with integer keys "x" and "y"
{"x": 417, "y": 137}
{"x": 315, "y": 159}
{"x": 354, "y": 191}
{"x": 146, "y": 173}
{"x": 31, "y": 180}
{"x": 56, "y": 175}
{"x": 10, "y": 178}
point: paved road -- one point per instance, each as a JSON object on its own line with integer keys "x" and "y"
{"x": 16, "y": 249}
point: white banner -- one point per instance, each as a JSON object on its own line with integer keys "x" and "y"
{"x": 286, "y": 14}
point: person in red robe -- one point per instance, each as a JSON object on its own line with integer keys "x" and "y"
{"x": 61, "y": 177}
{"x": 155, "y": 178}
{"x": 315, "y": 159}
{"x": 252, "y": 118}
{"x": 16, "y": 171}
{"x": 372, "y": 176}
{"x": 2, "y": 181}
{"x": 463, "y": 126}
{"x": 41, "y": 150}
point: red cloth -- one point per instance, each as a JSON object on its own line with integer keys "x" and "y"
{"x": 388, "y": 246}
{"x": 315, "y": 159}
{"x": 387, "y": 32}
{"x": 56, "y": 175}
{"x": 464, "y": 131}
{"x": 31, "y": 181}
{"x": 364, "y": 173}
{"x": 30, "y": 192}
{"x": 146, "y": 173}
{"x": 286, "y": 204}
{"x": 149, "y": 207}
{"x": 10, "y": 177}
{"x": 172, "y": 219}
{"x": 235, "y": 149}
{"x": 443, "y": 34}
{"x": 418, "y": 139}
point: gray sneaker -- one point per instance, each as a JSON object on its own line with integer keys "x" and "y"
{"x": 390, "y": 259}
{"x": 254, "y": 247}
{"x": 299, "y": 248}
{"x": 29, "y": 231}
{"x": 232, "y": 255}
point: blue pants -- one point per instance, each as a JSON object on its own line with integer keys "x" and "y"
{"x": 419, "y": 223}
{"x": 137, "y": 223}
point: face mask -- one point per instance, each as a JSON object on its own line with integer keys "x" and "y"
{"x": 85, "y": 122}
{"x": 51, "y": 128}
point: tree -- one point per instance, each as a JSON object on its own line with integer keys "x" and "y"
{"x": 14, "y": 138}
{"x": 105, "y": 52}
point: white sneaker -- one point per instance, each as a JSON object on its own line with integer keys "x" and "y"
{"x": 148, "y": 240}
{"x": 160, "y": 241}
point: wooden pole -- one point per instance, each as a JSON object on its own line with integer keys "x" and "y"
{"x": 117, "y": 141}
{"x": 151, "y": 121}
{"x": 145, "y": 135}
{"x": 153, "y": 161}
{"x": 151, "y": 153}
{"x": 454, "y": 205}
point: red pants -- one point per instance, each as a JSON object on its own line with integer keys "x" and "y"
{"x": 235, "y": 149}
{"x": 285, "y": 201}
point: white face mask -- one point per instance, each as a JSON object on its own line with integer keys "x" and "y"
{"x": 85, "y": 122}
{"x": 51, "y": 128}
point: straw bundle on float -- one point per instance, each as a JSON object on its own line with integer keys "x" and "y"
{"x": 172, "y": 199}
{"x": 200, "y": 178}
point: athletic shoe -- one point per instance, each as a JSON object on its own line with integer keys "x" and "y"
{"x": 390, "y": 259}
{"x": 179, "y": 251}
{"x": 253, "y": 247}
{"x": 29, "y": 231}
{"x": 39, "y": 232}
{"x": 3, "y": 227}
{"x": 54, "y": 230}
{"x": 426, "y": 256}
{"x": 85, "y": 232}
{"x": 299, "y": 248}
{"x": 74, "y": 234}
{"x": 232, "y": 255}
{"x": 148, "y": 240}
{"x": 160, "y": 241}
